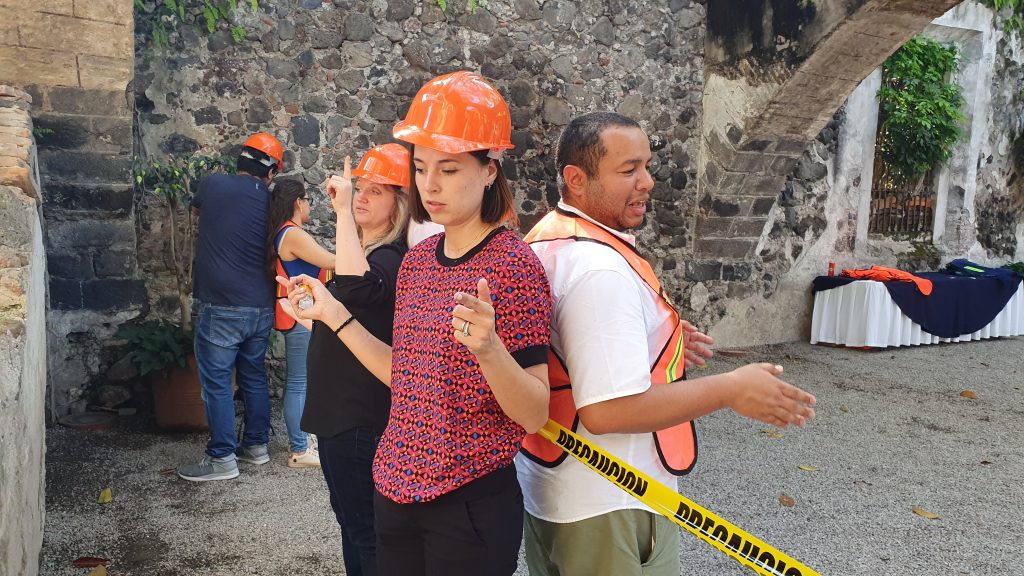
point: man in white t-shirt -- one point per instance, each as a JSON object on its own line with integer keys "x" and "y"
{"x": 609, "y": 327}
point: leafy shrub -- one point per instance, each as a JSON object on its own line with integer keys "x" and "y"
{"x": 156, "y": 345}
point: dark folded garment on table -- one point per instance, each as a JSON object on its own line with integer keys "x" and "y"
{"x": 964, "y": 267}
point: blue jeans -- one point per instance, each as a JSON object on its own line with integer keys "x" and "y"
{"x": 233, "y": 339}
{"x": 346, "y": 461}
{"x": 296, "y": 342}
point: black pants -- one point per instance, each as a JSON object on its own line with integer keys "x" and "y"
{"x": 473, "y": 531}
{"x": 346, "y": 461}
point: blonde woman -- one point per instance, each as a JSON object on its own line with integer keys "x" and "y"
{"x": 347, "y": 406}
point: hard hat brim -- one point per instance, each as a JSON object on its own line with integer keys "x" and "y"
{"x": 440, "y": 142}
{"x": 376, "y": 178}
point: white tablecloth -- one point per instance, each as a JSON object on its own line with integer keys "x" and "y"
{"x": 862, "y": 313}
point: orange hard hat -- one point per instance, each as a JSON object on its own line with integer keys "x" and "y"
{"x": 387, "y": 164}
{"x": 455, "y": 113}
{"x": 267, "y": 144}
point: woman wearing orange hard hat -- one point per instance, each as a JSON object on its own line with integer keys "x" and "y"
{"x": 346, "y": 406}
{"x": 468, "y": 366}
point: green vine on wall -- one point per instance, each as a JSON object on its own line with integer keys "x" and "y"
{"x": 1016, "y": 19}
{"x": 471, "y": 5}
{"x": 919, "y": 109}
{"x": 167, "y": 15}
{"x": 174, "y": 180}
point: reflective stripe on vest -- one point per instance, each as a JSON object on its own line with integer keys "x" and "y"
{"x": 677, "y": 446}
{"x": 282, "y": 321}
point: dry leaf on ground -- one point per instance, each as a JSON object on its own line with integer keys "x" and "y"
{"x": 985, "y": 462}
{"x": 89, "y": 562}
{"x": 844, "y": 409}
{"x": 771, "y": 433}
{"x": 106, "y": 496}
{"x": 98, "y": 571}
{"x": 732, "y": 353}
{"x": 168, "y": 472}
{"x": 807, "y": 468}
{"x": 924, "y": 513}
{"x": 787, "y": 500}
{"x": 969, "y": 394}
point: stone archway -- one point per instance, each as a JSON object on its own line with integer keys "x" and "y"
{"x": 772, "y": 84}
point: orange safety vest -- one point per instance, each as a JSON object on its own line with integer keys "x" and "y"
{"x": 677, "y": 446}
{"x": 282, "y": 321}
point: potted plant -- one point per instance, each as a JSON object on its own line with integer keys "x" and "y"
{"x": 163, "y": 350}
{"x": 156, "y": 345}
{"x": 162, "y": 353}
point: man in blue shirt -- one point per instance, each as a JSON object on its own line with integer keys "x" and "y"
{"x": 234, "y": 299}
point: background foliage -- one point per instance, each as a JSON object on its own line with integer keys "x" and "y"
{"x": 919, "y": 109}
{"x": 156, "y": 345}
{"x": 166, "y": 15}
{"x": 1015, "y": 21}
{"x": 175, "y": 179}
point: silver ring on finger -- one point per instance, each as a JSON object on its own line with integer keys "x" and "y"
{"x": 465, "y": 327}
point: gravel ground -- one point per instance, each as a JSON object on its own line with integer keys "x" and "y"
{"x": 892, "y": 433}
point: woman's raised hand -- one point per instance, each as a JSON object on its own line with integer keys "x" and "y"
{"x": 339, "y": 188}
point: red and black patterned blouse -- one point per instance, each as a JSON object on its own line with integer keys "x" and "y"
{"x": 446, "y": 428}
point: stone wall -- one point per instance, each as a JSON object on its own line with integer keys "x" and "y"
{"x": 75, "y": 57}
{"x": 1000, "y": 194}
{"x": 23, "y": 340}
{"x": 330, "y": 79}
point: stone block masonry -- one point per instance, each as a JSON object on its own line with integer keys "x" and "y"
{"x": 23, "y": 341}
{"x": 75, "y": 59}
{"x": 83, "y": 43}
{"x": 17, "y": 152}
{"x": 330, "y": 79}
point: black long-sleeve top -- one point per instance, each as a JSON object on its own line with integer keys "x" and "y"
{"x": 341, "y": 394}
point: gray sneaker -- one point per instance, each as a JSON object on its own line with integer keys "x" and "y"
{"x": 255, "y": 454}
{"x": 210, "y": 469}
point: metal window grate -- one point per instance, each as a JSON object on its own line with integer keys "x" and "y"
{"x": 906, "y": 210}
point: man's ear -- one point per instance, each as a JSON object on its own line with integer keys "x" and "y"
{"x": 575, "y": 179}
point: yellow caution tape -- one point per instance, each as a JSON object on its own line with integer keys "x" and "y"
{"x": 699, "y": 521}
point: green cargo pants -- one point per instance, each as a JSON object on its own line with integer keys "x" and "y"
{"x": 619, "y": 543}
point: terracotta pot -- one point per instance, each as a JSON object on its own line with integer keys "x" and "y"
{"x": 177, "y": 401}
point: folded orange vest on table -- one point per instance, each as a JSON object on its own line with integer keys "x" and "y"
{"x": 885, "y": 274}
